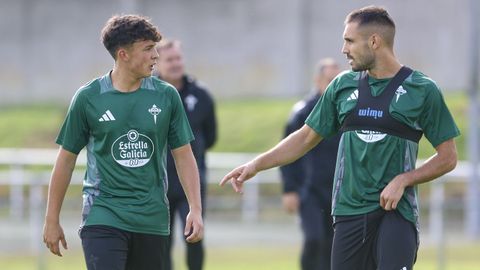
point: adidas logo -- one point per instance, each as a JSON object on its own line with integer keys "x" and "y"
{"x": 107, "y": 116}
{"x": 353, "y": 96}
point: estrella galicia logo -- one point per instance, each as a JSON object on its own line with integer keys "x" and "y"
{"x": 132, "y": 149}
{"x": 370, "y": 113}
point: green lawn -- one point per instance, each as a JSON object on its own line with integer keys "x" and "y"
{"x": 263, "y": 257}
{"x": 244, "y": 126}
{"x": 30, "y": 125}
{"x": 252, "y": 125}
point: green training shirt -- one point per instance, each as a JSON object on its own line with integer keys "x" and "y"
{"x": 368, "y": 160}
{"x": 126, "y": 136}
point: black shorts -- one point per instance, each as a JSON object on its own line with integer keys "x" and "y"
{"x": 109, "y": 248}
{"x": 380, "y": 240}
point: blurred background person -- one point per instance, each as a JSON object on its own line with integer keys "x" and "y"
{"x": 307, "y": 182}
{"x": 200, "y": 109}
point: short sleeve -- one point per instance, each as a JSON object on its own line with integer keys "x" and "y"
{"x": 323, "y": 118}
{"x": 74, "y": 133}
{"x": 180, "y": 132}
{"x": 436, "y": 120}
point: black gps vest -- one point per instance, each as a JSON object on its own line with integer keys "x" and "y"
{"x": 372, "y": 113}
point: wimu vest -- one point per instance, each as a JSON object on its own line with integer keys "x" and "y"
{"x": 372, "y": 113}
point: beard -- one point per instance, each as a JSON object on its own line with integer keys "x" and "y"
{"x": 364, "y": 62}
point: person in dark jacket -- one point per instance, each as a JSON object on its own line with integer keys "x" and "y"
{"x": 307, "y": 182}
{"x": 200, "y": 109}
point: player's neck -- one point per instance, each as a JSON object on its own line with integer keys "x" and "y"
{"x": 124, "y": 81}
{"x": 385, "y": 67}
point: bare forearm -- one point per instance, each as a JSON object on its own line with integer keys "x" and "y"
{"x": 61, "y": 176}
{"x": 442, "y": 162}
{"x": 188, "y": 175}
{"x": 439, "y": 164}
{"x": 289, "y": 149}
{"x": 191, "y": 185}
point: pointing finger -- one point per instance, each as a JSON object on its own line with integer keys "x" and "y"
{"x": 227, "y": 177}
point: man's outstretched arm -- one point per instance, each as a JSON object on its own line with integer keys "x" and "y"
{"x": 286, "y": 151}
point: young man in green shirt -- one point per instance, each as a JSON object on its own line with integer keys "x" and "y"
{"x": 127, "y": 120}
{"x": 374, "y": 201}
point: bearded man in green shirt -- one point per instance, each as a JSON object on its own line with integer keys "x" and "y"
{"x": 127, "y": 120}
{"x": 382, "y": 109}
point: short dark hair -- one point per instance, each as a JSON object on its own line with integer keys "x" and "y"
{"x": 370, "y": 15}
{"x": 124, "y": 30}
{"x": 374, "y": 16}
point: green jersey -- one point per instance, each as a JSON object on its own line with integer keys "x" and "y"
{"x": 368, "y": 160}
{"x": 126, "y": 136}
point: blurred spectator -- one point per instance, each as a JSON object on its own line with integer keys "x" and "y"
{"x": 307, "y": 182}
{"x": 200, "y": 109}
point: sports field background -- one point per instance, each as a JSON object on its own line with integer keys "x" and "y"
{"x": 261, "y": 60}
{"x": 264, "y": 257}
{"x": 273, "y": 242}
{"x": 264, "y": 246}
{"x": 248, "y": 125}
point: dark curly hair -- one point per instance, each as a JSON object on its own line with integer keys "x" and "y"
{"x": 124, "y": 30}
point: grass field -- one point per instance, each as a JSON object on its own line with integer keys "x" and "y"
{"x": 30, "y": 125}
{"x": 263, "y": 257}
{"x": 244, "y": 125}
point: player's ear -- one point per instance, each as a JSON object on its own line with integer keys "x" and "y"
{"x": 374, "y": 41}
{"x": 122, "y": 54}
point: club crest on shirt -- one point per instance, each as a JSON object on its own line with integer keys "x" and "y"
{"x": 400, "y": 91}
{"x": 154, "y": 110}
{"x": 132, "y": 149}
{"x": 370, "y": 136}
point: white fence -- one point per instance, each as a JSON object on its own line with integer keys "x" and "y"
{"x": 21, "y": 161}
{"x": 18, "y": 164}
